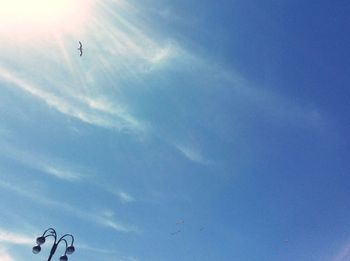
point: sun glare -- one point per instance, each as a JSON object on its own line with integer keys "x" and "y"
{"x": 22, "y": 18}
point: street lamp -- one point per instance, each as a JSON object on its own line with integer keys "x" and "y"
{"x": 52, "y": 233}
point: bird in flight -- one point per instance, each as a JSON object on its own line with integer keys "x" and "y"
{"x": 80, "y": 48}
{"x": 176, "y": 232}
{"x": 180, "y": 222}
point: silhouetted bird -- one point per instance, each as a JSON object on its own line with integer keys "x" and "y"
{"x": 180, "y": 222}
{"x": 80, "y": 48}
{"x": 176, "y": 232}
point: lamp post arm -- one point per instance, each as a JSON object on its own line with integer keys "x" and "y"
{"x": 55, "y": 244}
{"x": 54, "y": 247}
{"x": 65, "y": 241}
{"x": 66, "y": 235}
{"x": 52, "y": 232}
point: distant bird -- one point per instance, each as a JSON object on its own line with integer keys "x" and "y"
{"x": 176, "y": 232}
{"x": 180, "y": 222}
{"x": 286, "y": 241}
{"x": 80, "y": 48}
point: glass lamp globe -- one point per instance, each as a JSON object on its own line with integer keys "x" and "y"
{"x": 40, "y": 240}
{"x": 64, "y": 258}
{"x": 36, "y": 249}
{"x": 70, "y": 250}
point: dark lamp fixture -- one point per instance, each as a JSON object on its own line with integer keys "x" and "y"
{"x": 67, "y": 239}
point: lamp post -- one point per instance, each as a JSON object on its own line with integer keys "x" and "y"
{"x": 52, "y": 233}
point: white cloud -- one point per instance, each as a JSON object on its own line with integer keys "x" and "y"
{"x": 122, "y": 195}
{"x": 162, "y": 54}
{"x": 60, "y": 173}
{"x": 5, "y": 255}
{"x": 54, "y": 167}
{"x": 115, "y": 225}
{"x": 130, "y": 45}
{"x": 115, "y": 255}
{"x": 125, "y": 197}
{"x": 192, "y": 154}
{"x": 95, "y": 249}
{"x": 93, "y": 216}
{"x": 87, "y": 109}
{"x": 16, "y": 239}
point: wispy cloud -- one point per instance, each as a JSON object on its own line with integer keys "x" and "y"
{"x": 130, "y": 49}
{"x": 54, "y": 167}
{"x": 5, "y": 255}
{"x": 125, "y": 197}
{"x": 95, "y": 249}
{"x": 192, "y": 154}
{"x": 107, "y": 219}
{"x": 115, "y": 225}
{"x": 14, "y": 238}
{"x": 87, "y": 109}
{"x": 115, "y": 255}
{"x": 343, "y": 253}
{"x": 94, "y": 217}
{"x": 128, "y": 33}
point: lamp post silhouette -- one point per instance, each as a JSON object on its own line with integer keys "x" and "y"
{"x": 52, "y": 233}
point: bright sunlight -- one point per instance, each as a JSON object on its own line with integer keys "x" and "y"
{"x": 25, "y": 18}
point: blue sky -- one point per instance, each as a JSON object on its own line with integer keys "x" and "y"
{"x": 231, "y": 116}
